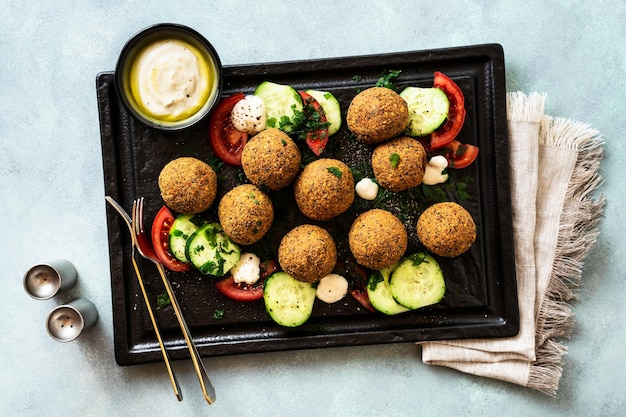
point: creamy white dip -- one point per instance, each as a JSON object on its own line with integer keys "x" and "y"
{"x": 171, "y": 80}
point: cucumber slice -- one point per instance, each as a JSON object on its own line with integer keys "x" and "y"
{"x": 417, "y": 281}
{"x": 184, "y": 226}
{"x": 331, "y": 107}
{"x": 428, "y": 109}
{"x": 379, "y": 292}
{"x": 288, "y": 302}
{"x": 211, "y": 251}
{"x": 281, "y": 103}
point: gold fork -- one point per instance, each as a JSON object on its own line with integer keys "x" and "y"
{"x": 168, "y": 364}
{"x": 145, "y": 248}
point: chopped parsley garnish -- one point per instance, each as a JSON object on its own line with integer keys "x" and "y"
{"x": 394, "y": 159}
{"x": 285, "y": 123}
{"x": 335, "y": 171}
{"x": 460, "y": 151}
{"x": 461, "y": 190}
{"x": 417, "y": 258}
{"x": 214, "y": 162}
{"x": 218, "y": 314}
{"x": 308, "y": 123}
{"x": 253, "y": 198}
{"x": 434, "y": 194}
{"x": 387, "y": 79}
{"x": 163, "y": 300}
{"x": 377, "y": 278}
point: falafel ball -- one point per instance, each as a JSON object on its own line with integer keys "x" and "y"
{"x": 308, "y": 253}
{"x": 324, "y": 189}
{"x": 271, "y": 159}
{"x": 377, "y": 114}
{"x": 188, "y": 185}
{"x": 377, "y": 239}
{"x": 246, "y": 213}
{"x": 446, "y": 229}
{"x": 399, "y": 164}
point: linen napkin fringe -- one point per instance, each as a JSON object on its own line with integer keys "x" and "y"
{"x": 545, "y": 373}
{"x": 578, "y": 231}
{"x": 523, "y": 107}
{"x": 567, "y": 225}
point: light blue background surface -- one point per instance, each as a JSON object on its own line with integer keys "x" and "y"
{"x": 51, "y": 191}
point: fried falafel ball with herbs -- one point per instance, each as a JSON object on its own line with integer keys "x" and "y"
{"x": 308, "y": 253}
{"x": 377, "y": 114}
{"x": 399, "y": 164}
{"x": 188, "y": 185}
{"x": 246, "y": 213}
{"x": 446, "y": 229}
{"x": 377, "y": 239}
{"x": 324, "y": 189}
{"x": 271, "y": 159}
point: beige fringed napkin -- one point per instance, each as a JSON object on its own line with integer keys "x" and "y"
{"x": 554, "y": 172}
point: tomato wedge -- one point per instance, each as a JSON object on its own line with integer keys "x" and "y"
{"x": 360, "y": 294}
{"x": 160, "y": 239}
{"x": 460, "y": 155}
{"x": 456, "y": 115}
{"x": 358, "y": 279}
{"x": 245, "y": 292}
{"x": 226, "y": 142}
{"x": 316, "y": 125}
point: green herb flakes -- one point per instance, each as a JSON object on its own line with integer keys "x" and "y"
{"x": 387, "y": 79}
{"x": 163, "y": 300}
{"x": 254, "y": 199}
{"x": 218, "y": 314}
{"x": 377, "y": 278}
{"x": 461, "y": 189}
{"x": 394, "y": 160}
{"x": 417, "y": 258}
{"x": 335, "y": 171}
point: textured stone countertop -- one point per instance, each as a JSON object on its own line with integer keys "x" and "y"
{"x": 51, "y": 188}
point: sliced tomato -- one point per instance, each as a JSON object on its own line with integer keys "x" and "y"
{"x": 160, "y": 239}
{"x": 460, "y": 155}
{"x": 456, "y": 115}
{"x": 268, "y": 268}
{"x": 239, "y": 292}
{"x": 226, "y": 142}
{"x": 358, "y": 279}
{"x": 360, "y": 294}
{"x": 316, "y": 136}
{"x": 246, "y": 292}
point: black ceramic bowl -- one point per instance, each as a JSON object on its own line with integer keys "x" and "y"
{"x": 202, "y": 62}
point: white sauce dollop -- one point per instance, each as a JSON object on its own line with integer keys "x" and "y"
{"x": 247, "y": 270}
{"x": 366, "y": 189}
{"x": 332, "y": 288}
{"x": 248, "y": 115}
{"x": 433, "y": 174}
{"x": 171, "y": 80}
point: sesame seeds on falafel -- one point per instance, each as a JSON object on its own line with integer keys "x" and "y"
{"x": 446, "y": 229}
{"x": 399, "y": 164}
{"x": 324, "y": 189}
{"x": 188, "y": 185}
{"x": 377, "y": 114}
{"x": 271, "y": 159}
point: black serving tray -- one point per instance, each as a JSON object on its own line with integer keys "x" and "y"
{"x": 481, "y": 296}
